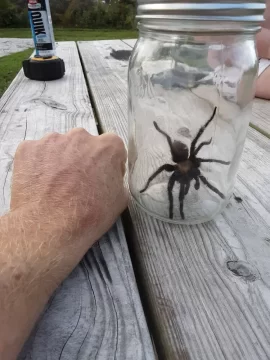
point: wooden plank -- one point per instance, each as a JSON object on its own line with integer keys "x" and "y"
{"x": 96, "y": 313}
{"x": 261, "y": 116}
{"x": 114, "y": 102}
{"x": 206, "y": 287}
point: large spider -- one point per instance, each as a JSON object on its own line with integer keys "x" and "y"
{"x": 186, "y": 167}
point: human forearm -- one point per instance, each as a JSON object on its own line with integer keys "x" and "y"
{"x": 37, "y": 253}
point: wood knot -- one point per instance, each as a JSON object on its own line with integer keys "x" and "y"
{"x": 267, "y": 239}
{"x": 238, "y": 199}
{"x": 50, "y": 103}
{"x": 243, "y": 269}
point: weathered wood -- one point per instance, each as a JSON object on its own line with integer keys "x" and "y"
{"x": 206, "y": 287}
{"x": 96, "y": 313}
{"x": 114, "y": 102}
{"x": 261, "y": 115}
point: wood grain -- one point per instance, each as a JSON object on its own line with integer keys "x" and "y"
{"x": 261, "y": 115}
{"x": 206, "y": 287}
{"x": 96, "y": 312}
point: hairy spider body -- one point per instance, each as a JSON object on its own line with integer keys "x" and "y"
{"x": 186, "y": 167}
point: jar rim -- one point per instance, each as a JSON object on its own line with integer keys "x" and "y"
{"x": 174, "y": 26}
{"x": 249, "y": 12}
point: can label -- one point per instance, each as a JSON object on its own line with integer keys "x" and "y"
{"x": 39, "y": 15}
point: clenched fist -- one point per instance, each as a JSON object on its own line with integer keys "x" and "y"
{"x": 75, "y": 179}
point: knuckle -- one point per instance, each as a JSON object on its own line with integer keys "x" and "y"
{"x": 115, "y": 141}
{"x": 122, "y": 149}
{"x": 120, "y": 143}
{"x": 119, "y": 148}
{"x": 24, "y": 145}
{"x": 51, "y": 136}
{"x": 110, "y": 136}
{"x": 78, "y": 131}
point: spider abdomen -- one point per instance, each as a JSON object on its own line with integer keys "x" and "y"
{"x": 184, "y": 166}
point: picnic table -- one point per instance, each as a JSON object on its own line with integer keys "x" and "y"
{"x": 201, "y": 292}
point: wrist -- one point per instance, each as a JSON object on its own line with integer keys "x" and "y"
{"x": 42, "y": 247}
{"x": 29, "y": 274}
{"x": 66, "y": 216}
{"x": 36, "y": 256}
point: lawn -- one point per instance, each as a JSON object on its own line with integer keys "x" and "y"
{"x": 74, "y": 34}
{"x": 9, "y": 67}
{"x": 11, "y": 64}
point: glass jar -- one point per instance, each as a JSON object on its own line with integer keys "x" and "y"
{"x": 191, "y": 83}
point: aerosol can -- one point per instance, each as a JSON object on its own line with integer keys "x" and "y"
{"x": 44, "y": 65}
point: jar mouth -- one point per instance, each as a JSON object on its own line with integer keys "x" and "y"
{"x": 247, "y": 13}
{"x": 175, "y": 25}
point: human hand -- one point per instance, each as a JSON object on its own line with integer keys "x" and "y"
{"x": 266, "y": 23}
{"x": 74, "y": 180}
{"x": 263, "y": 48}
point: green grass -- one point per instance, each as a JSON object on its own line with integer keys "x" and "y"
{"x": 9, "y": 67}
{"x": 74, "y": 34}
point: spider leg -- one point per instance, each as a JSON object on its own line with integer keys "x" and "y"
{"x": 170, "y": 195}
{"x": 166, "y": 167}
{"x": 211, "y": 187}
{"x": 200, "y": 132}
{"x": 214, "y": 161}
{"x": 187, "y": 188}
{"x": 201, "y": 145}
{"x": 197, "y": 183}
{"x": 179, "y": 151}
{"x": 165, "y": 134}
{"x": 181, "y": 200}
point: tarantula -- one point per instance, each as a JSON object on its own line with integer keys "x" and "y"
{"x": 186, "y": 168}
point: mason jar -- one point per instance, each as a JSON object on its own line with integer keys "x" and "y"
{"x": 191, "y": 83}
